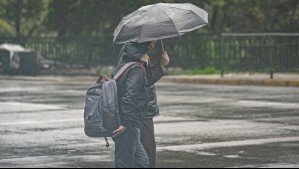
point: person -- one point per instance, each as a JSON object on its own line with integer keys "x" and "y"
{"x": 153, "y": 73}
{"x": 132, "y": 97}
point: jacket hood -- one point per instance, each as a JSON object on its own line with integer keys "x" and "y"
{"x": 132, "y": 52}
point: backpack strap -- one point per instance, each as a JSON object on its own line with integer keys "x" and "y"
{"x": 107, "y": 143}
{"x": 102, "y": 78}
{"x": 124, "y": 69}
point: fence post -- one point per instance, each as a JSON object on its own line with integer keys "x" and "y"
{"x": 272, "y": 47}
{"x": 221, "y": 55}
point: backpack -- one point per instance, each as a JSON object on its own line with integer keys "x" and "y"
{"x": 101, "y": 116}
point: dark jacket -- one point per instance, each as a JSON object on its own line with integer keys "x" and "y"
{"x": 132, "y": 95}
{"x": 153, "y": 73}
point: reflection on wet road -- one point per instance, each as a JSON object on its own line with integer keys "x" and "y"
{"x": 41, "y": 125}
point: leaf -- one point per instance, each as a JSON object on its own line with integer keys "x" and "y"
{"x": 6, "y": 29}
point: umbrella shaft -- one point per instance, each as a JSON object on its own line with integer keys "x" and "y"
{"x": 162, "y": 45}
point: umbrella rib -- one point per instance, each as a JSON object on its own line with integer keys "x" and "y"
{"x": 170, "y": 18}
{"x": 199, "y": 17}
{"x": 190, "y": 11}
{"x": 140, "y": 30}
{"x": 142, "y": 17}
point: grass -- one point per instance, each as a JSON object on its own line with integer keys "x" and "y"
{"x": 198, "y": 71}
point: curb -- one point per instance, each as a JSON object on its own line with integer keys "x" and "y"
{"x": 245, "y": 82}
{"x": 175, "y": 79}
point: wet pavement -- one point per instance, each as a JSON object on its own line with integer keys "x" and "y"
{"x": 247, "y": 79}
{"x": 200, "y": 126}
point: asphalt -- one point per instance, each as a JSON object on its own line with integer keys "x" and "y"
{"x": 200, "y": 126}
{"x": 280, "y": 79}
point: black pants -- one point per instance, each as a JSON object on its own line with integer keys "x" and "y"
{"x": 148, "y": 141}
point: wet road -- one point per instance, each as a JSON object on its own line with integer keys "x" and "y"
{"x": 41, "y": 125}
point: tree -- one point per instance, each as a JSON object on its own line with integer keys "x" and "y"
{"x": 95, "y": 17}
{"x": 6, "y": 30}
{"x": 100, "y": 17}
{"x": 24, "y": 15}
{"x": 253, "y": 16}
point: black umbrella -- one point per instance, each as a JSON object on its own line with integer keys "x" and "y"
{"x": 159, "y": 21}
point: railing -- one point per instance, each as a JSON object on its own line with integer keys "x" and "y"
{"x": 89, "y": 51}
{"x": 264, "y": 52}
{"x": 227, "y": 52}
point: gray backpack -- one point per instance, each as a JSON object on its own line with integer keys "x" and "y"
{"x": 101, "y": 116}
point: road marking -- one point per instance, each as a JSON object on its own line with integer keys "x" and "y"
{"x": 38, "y": 122}
{"x": 268, "y": 104}
{"x": 18, "y": 106}
{"x": 249, "y": 142}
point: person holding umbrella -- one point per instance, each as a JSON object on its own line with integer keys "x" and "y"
{"x": 153, "y": 74}
{"x": 147, "y": 25}
{"x": 132, "y": 99}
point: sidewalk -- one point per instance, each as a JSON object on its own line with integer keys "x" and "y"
{"x": 291, "y": 80}
{"x": 279, "y": 79}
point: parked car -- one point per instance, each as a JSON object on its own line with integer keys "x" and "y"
{"x": 15, "y": 59}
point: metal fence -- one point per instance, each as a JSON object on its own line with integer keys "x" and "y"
{"x": 226, "y": 52}
{"x": 86, "y": 51}
{"x": 263, "y": 52}
{"x": 194, "y": 51}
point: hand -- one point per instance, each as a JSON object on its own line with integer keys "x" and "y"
{"x": 121, "y": 129}
{"x": 164, "y": 59}
{"x": 144, "y": 58}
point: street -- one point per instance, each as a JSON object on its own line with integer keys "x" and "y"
{"x": 202, "y": 126}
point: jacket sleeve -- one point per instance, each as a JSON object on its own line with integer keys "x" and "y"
{"x": 134, "y": 87}
{"x": 157, "y": 72}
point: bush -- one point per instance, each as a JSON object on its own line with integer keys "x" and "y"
{"x": 205, "y": 71}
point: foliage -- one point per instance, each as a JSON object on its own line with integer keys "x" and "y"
{"x": 81, "y": 30}
{"x": 99, "y": 17}
{"x": 25, "y": 16}
{"x": 81, "y": 17}
{"x": 199, "y": 71}
{"x": 6, "y": 30}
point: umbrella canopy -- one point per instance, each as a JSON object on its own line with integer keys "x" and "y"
{"x": 159, "y": 21}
